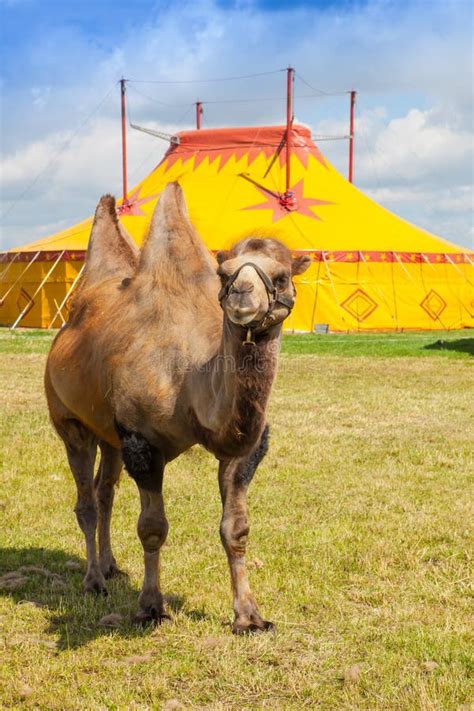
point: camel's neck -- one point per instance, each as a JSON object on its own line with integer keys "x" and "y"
{"x": 240, "y": 383}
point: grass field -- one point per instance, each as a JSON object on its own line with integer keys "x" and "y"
{"x": 360, "y": 546}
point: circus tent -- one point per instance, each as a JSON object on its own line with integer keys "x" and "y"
{"x": 371, "y": 270}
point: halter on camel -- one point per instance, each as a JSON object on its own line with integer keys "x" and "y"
{"x": 274, "y": 298}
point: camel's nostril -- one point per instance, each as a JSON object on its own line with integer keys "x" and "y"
{"x": 240, "y": 290}
{"x": 243, "y": 305}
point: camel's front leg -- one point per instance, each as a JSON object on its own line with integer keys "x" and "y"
{"x": 146, "y": 465}
{"x": 152, "y": 529}
{"x": 234, "y": 477}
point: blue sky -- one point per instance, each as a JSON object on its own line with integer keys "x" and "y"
{"x": 411, "y": 63}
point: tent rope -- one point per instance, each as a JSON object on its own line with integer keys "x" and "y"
{"x": 2, "y": 299}
{"x": 32, "y": 298}
{"x": 68, "y": 294}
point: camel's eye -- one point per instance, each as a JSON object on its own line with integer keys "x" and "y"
{"x": 281, "y": 280}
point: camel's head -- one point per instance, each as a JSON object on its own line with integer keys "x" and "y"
{"x": 256, "y": 276}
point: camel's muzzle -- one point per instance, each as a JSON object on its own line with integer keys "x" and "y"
{"x": 274, "y": 298}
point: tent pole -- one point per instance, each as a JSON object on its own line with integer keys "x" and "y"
{"x": 289, "y": 122}
{"x": 199, "y": 112}
{"x": 61, "y": 305}
{"x": 32, "y": 298}
{"x": 2, "y": 299}
{"x": 124, "y": 139}
{"x": 288, "y": 200}
{"x": 351, "y": 137}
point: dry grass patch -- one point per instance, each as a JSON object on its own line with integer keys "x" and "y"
{"x": 361, "y": 539}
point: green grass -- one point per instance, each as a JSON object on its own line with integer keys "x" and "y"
{"x": 452, "y": 344}
{"x": 25, "y": 341}
{"x": 361, "y": 515}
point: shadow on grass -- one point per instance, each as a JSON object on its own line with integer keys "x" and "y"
{"x": 462, "y": 345}
{"x": 48, "y": 583}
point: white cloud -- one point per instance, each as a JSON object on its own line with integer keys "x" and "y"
{"x": 77, "y": 176}
{"x": 418, "y": 147}
{"x": 426, "y": 167}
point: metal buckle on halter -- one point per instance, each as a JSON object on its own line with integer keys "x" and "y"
{"x": 248, "y": 339}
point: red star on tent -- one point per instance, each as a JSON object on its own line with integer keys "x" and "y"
{"x": 132, "y": 206}
{"x": 272, "y": 202}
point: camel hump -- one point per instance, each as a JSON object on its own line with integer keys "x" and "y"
{"x": 172, "y": 241}
{"x": 111, "y": 251}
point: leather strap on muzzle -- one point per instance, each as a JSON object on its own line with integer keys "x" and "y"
{"x": 274, "y": 297}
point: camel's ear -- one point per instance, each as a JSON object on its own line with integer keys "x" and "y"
{"x": 300, "y": 264}
{"x": 222, "y": 256}
{"x": 111, "y": 251}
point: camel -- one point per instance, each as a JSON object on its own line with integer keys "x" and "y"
{"x": 163, "y": 349}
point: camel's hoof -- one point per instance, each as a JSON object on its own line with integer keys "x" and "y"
{"x": 150, "y": 616}
{"x": 253, "y": 627}
{"x": 113, "y": 571}
{"x": 95, "y": 585}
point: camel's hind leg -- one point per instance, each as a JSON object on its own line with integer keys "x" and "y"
{"x": 107, "y": 477}
{"x": 81, "y": 449}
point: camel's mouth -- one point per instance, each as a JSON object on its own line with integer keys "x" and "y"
{"x": 243, "y": 317}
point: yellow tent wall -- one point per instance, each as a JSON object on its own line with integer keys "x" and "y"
{"x": 20, "y": 286}
{"x": 371, "y": 270}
